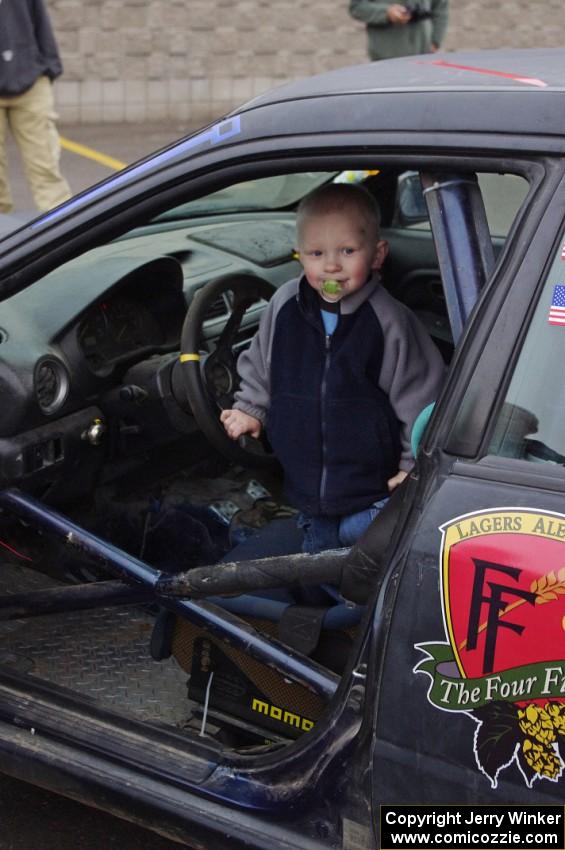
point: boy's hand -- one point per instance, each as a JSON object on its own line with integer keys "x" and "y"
{"x": 397, "y": 479}
{"x": 237, "y": 423}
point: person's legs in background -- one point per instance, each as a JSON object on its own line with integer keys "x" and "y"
{"x": 32, "y": 122}
{"x": 6, "y": 203}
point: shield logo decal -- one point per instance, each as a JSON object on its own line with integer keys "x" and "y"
{"x": 503, "y": 602}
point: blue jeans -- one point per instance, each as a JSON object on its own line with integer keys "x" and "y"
{"x": 329, "y": 532}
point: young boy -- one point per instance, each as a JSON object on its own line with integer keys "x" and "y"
{"x": 337, "y": 372}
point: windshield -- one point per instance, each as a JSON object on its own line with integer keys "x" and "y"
{"x": 266, "y": 193}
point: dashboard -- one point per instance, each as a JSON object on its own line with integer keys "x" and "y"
{"x": 87, "y": 353}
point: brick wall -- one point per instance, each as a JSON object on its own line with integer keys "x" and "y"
{"x": 192, "y": 60}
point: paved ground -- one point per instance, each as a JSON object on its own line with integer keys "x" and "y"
{"x": 32, "y": 819}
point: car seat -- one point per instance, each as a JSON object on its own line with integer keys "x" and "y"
{"x": 229, "y": 683}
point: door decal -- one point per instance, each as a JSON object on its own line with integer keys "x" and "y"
{"x": 502, "y": 577}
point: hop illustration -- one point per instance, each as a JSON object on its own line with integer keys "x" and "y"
{"x": 541, "y": 759}
{"x": 556, "y": 711}
{"x": 536, "y": 723}
{"x": 531, "y": 733}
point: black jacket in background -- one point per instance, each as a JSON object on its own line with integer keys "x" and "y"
{"x": 28, "y": 49}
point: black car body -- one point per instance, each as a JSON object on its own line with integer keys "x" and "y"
{"x": 449, "y": 683}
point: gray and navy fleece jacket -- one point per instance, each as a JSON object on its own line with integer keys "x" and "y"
{"x": 338, "y": 411}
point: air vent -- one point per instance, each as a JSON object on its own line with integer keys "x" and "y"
{"x": 218, "y": 309}
{"x": 51, "y": 385}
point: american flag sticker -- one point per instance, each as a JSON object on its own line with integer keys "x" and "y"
{"x": 557, "y": 309}
{"x": 563, "y": 251}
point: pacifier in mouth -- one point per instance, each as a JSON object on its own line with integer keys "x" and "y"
{"x": 331, "y": 290}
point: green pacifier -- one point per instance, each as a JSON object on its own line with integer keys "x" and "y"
{"x": 331, "y": 287}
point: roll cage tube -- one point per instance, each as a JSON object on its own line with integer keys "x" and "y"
{"x": 462, "y": 238}
{"x": 219, "y": 622}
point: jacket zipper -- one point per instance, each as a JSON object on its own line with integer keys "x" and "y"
{"x": 324, "y": 476}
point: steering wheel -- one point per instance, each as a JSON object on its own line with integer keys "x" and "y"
{"x": 211, "y": 380}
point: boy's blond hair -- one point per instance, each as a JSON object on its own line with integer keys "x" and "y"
{"x": 340, "y": 197}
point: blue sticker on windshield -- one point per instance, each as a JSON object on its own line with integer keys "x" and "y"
{"x": 214, "y": 135}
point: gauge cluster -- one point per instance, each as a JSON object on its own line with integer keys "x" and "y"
{"x": 117, "y": 327}
{"x": 140, "y": 313}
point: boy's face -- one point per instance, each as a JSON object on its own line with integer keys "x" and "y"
{"x": 340, "y": 247}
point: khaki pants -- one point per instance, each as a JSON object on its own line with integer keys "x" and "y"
{"x": 31, "y": 119}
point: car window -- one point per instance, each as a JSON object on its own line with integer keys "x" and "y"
{"x": 264, "y": 193}
{"x": 502, "y": 194}
{"x": 530, "y": 425}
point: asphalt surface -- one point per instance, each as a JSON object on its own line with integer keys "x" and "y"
{"x": 30, "y": 818}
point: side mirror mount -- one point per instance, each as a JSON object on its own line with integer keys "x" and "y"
{"x": 411, "y": 204}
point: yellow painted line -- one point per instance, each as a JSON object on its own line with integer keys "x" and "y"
{"x": 90, "y": 153}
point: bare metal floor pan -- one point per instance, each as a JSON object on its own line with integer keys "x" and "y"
{"x": 102, "y": 654}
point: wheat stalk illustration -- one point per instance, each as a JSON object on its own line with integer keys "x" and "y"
{"x": 549, "y": 587}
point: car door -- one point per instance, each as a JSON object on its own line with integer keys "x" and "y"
{"x": 471, "y": 702}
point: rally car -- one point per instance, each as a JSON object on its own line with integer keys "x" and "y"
{"x": 168, "y": 654}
